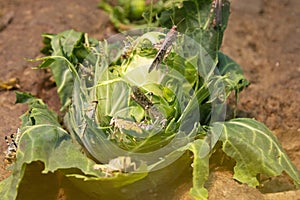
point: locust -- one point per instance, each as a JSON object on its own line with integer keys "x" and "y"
{"x": 167, "y": 43}
{"x": 128, "y": 47}
{"x": 217, "y": 11}
{"x": 119, "y": 164}
{"x": 125, "y": 127}
{"x": 139, "y": 97}
{"x": 12, "y": 147}
{"x": 136, "y": 129}
{"x": 90, "y": 113}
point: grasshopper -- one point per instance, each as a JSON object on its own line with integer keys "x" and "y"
{"x": 136, "y": 129}
{"x": 129, "y": 127}
{"x": 123, "y": 124}
{"x": 216, "y": 10}
{"x": 12, "y": 147}
{"x": 90, "y": 113}
{"x": 128, "y": 47}
{"x": 139, "y": 97}
{"x": 165, "y": 47}
{"x": 167, "y": 43}
{"x": 218, "y": 13}
{"x": 119, "y": 164}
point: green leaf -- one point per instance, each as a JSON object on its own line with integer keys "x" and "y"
{"x": 5, "y": 192}
{"x": 256, "y": 151}
{"x": 63, "y": 45}
{"x": 200, "y": 170}
{"x": 38, "y": 113}
{"x": 53, "y": 146}
{"x": 46, "y": 63}
{"x": 195, "y": 19}
{"x": 70, "y": 45}
{"x": 45, "y": 138}
{"x": 235, "y": 79}
{"x": 46, "y": 142}
{"x": 184, "y": 96}
{"x": 23, "y": 97}
{"x": 126, "y": 15}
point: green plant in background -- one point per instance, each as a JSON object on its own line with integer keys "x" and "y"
{"x": 125, "y": 129}
{"x": 126, "y": 15}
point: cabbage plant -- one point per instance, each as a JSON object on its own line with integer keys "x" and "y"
{"x": 125, "y": 130}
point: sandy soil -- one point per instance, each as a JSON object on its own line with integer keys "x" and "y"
{"x": 261, "y": 36}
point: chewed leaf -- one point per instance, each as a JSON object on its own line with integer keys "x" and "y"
{"x": 54, "y": 147}
{"x": 50, "y": 145}
{"x": 51, "y": 148}
{"x": 38, "y": 112}
{"x": 22, "y": 97}
{"x": 256, "y": 151}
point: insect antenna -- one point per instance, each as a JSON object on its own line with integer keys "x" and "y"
{"x": 173, "y": 22}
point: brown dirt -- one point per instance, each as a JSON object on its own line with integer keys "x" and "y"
{"x": 263, "y": 37}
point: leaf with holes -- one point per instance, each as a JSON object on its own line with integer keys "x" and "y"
{"x": 256, "y": 151}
